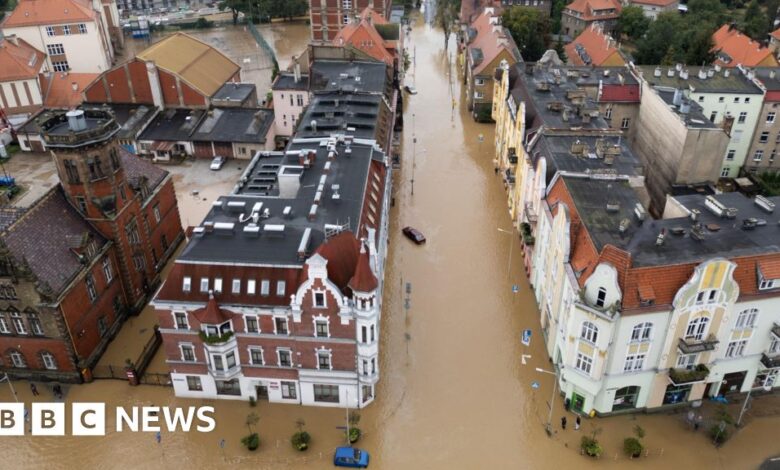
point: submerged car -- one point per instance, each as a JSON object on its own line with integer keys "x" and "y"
{"x": 350, "y": 457}
{"x": 414, "y": 235}
{"x": 410, "y": 89}
{"x": 217, "y": 163}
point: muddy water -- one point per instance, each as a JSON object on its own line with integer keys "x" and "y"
{"x": 454, "y": 393}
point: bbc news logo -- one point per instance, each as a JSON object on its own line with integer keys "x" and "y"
{"x": 89, "y": 419}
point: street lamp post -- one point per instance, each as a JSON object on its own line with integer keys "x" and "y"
{"x": 13, "y": 391}
{"x": 744, "y": 405}
{"x": 548, "y": 428}
{"x": 511, "y": 245}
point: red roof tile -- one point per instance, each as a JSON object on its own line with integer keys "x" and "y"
{"x": 599, "y": 46}
{"x": 491, "y": 39}
{"x": 45, "y": 12}
{"x": 586, "y": 8}
{"x": 212, "y": 314}
{"x": 19, "y": 60}
{"x": 657, "y": 3}
{"x": 342, "y": 252}
{"x": 63, "y": 90}
{"x": 619, "y": 94}
{"x": 365, "y": 37}
{"x": 740, "y": 48}
{"x": 770, "y": 268}
{"x": 775, "y": 34}
{"x": 364, "y": 279}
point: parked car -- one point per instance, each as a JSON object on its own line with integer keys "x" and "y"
{"x": 414, "y": 235}
{"x": 410, "y": 89}
{"x": 217, "y": 163}
{"x": 350, "y": 457}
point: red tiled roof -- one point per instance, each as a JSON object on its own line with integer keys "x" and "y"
{"x": 491, "y": 39}
{"x": 365, "y": 37}
{"x": 342, "y": 252}
{"x": 49, "y": 12}
{"x": 740, "y": 48}
{"x": 770, "y": 268}
{"x": 775, "y": 34}
{"x": 58, "y": 88}
{"x": 211, "y": 314}
{"x": 657, "y": 3}
{"x": 619, "y": 94}
{"x": 19, "y": 60}
{"x": 364, "y": 279}
{"x": 599, "y": 46}
{"x": 586, "y": 8}
{"x": 470, "y": 8}
{"x": 646, "y": 291}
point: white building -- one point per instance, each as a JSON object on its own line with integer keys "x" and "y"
{"x": 291, "y": 96}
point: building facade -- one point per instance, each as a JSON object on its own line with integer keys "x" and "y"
{"x": 328, "y": 17}
{"x": 766, "y": 138}
{"x": 20, "y": 65}
{"x": 74, "y": 34}
{"x": 581, "y": 14}
{"x": 291, "y": 96}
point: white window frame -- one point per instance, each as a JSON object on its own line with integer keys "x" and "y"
{"x": 763, "y": 137}
{"x": 55, "y": 49}
{"x": 583, "y": 363}
{"x": 82, "y": 28}
{"x": 770, "y": 117}
{"x": 191, "y": 347}
{"x": 279, "y": 356}
{"x": 50, "y": 31}
{"x": 281, "y": 288}
{"x": 48, "y": 361}
{"x": 642, "y": 332}
{"x": 730, "y": 155}
{"x": 251, "y": 286}
{"x": 204, "y": 285}
{"x": 4, "y": 325}
{"x": 18, "y": 360}
{"x": 107, "y": 272}
{"x": 286, "y": 324}
{"x": 66, "y": 29}
{"x": 589, "y": 332}
{"x": 625, "y": 123}
{"x": 252, "y": 349}
{"x": 634, "y": 362}
{"x": 321, "y": 319}
{"x": 736, "y": 348}
{"x": 479, "y": 81}
{"x": 742, "y": 117}
{"x": 324, "y": 298}
{"x": 265, "y": 287}
{"x": 766, "y": 284}
{"x": 724, "y": 173}
{"x": 35, "y": 324}
{"x": 324, "y": 352}
{"x": 186, "y": 284}
{"x": 18, "y": 322}
{"x": 236, "y": 286}
{"x": 774, "y": 346}
{"x": 246, "y": 325}
{"x": 176, "y": 322}
{"x": 687, "y": 361}
{"x": 747, "y": 319}
{"x": 758, "y": 155}
{"x": 217, "y": 285}
{"x": 697, "y": 328}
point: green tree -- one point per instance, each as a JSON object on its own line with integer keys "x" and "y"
{"x": 555, "y": 14}
{"x": 447, "y": 13}
{"x": 560, "y": 49}
{"x": 756, "y": 23}
{"x": 633, "y": 22}
{"x": 530, "y": 30}
{"x": 235, "y": 7}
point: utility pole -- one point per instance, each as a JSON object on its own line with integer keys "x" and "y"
{"x": 548, "y": 428}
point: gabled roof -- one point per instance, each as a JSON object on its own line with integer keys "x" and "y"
{"x": 593, "y": 47}
{"x": 733, "y": 48}
{"x": 365, "y": 37}
{"x": 136, "y": 169}
{"x": 212, "y": 314}
{"x": 49, "y": 12}
{"x": 586, "y": 9}
{"x": 19, "y": 60}
{"x": 64, "y": 90}
{"x": 342, "y": 252}
{"x": 770, "y": 268}
{"x": 363, "y": 280}
{"x": 44, "y": 237}
{"x": 491, "y": 39}
{"x": 200, "y": 65}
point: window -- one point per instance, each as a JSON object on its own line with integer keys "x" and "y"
{"x": 625, "y": 123}
{"x": 642, "y": 332}
{"x": 186, "y": 285}
{"x": 686, "y": 361}
{"x": 479, "y": 82}
{"x": 289, "y": 391}
{"x": 72, "y": 173}
{"x": 193, "y": 383}
{"x": 345, "y": 19}
{"x": 50, "y": 31}
{"x": 770, "y": 118}
{"x": 747, "y": 318}
{"x": 322, "y": 329}
{"x": 256, "y": 355}
{"x": 265, "y": 287}
{"x": 281, "y": 326}
{"x": 323, "y": 360}
{"x": 82, "y": 28}
{"x": 730, "y": 155}
{"x": 774, "y": 346}
{"x": 81, "y": 201}
{"x": 66, "y": 30}
{"x": 584, "y": 363}
{"x": 709, "y": 295}
{"x": 250, "y": 286}
{"x": 758, "y": 155}
{"x": 251, "y": 324}
{"x": 701, "y": 99}
{"x": 736, "y": 348}
{"x": 721, "y": 99}
{"x": 35, "y": 324}
{"x": 742, "y": 117}
{"x": 139, "y": 262}
{"x": 4, "y": 325}
{"x": 736, "y": 136}
{"x": 608, "y": 113}
{"x": 236, "y": 289}
{"x": 590, "y": 332}
{"x": 132, "y": 233}
{"x": 713, "y": 116}
{"x": 764, "y": 137}
{"x": 156, "y": 213}
{"x": 284, "y": 357}
{"x": 736, "y": 99}
{"x": 102, "y": 326}
{"x": 766, "y": 284}
{"x": 17, "y": 359}
{"x": 372, "y": 333}
{"x": 365, "y": 367}
{"x": 478, "y": 95}
{"x": 219, "y": 364}
{"x": 601, "y": 297}
{"x": 280, "y": 288}
{"x": 724, "y": 173}
{"x": 363, "y": 334}
{"x": 696, "y": 328}
{"x": 634, "y": 362}
{"x": 187, "y": 352}
{"x": 48, "y": 361}
{"x": 326, "y": 393}
{"x": 300, "y": 100}
{"x": 218, "y": 284}
{"x": 91, "y": 291}
{"x": 109, "y": 275}
{"x": 55, "y": 49}
{"x": 181, "y": 321}
{"x": 319, "y": 299}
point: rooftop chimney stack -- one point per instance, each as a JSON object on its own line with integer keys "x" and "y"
{"x": 297, "y": 71}
{"x": 76, "y": 120}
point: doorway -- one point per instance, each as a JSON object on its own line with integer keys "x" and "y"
{"x": 262, "y": 392}
{"x": 577, "y": 402}
{"x": 732, "y": 383}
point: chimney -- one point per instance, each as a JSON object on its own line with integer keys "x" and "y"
{"x": 678, "y": 96}
{"x": 726, "y": 72}
{"x": 657, "y": 72}
{"x": 670, "y": 73}
{"x": 314, "y": 125}
{"x": 154, "y": 83}
{"x": 661, "y": 237}
{"x": 702, "y": 74}
{"x": 772, "y": 74}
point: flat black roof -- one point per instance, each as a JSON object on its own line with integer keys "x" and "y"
{"x": 283, "y": 190}
{"x": 286, "y": 81}
{"x": 348, "y": 76}
{"x": 769, "y": 77}
{"x": 341, "y": 113}
{"x": 603, "y": 205}
{"x": 131, "y": 117}
{"x": 246, "y": 125}
{"x": 713, "y": 82}
{"x": 694, "y": 118}
{"x": 173, "y": 125}
{"x": 234, "y": 91}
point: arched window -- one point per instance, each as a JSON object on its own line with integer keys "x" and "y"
{"x": 642, "y": 332}
{"x": 17, "y": 359}
{"x": 590, "y": 332}
{"x": 747, "y": 318}
{"x": 601, "y": 297}
{"x": 48, "y": 361}
{"x": 697, "y": 327}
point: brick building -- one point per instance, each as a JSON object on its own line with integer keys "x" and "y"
{"x": 328, "y": 17}
{"x": 86, "y": 254}
{"x": 580, "y": 14}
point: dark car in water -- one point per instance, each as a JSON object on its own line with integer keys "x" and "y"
{"x": 414, "y": 235}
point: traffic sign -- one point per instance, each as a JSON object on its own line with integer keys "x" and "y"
{"x": 526, "y": 339}
{"x": 534, "y": 385}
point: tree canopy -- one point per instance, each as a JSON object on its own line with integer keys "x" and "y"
{"x": 530, "y": 30}
{"x": 632, "y": 22}
{"x": 265, "y": 10}
{"x": 756, "y": 22}
{"x": 447, "y": 13}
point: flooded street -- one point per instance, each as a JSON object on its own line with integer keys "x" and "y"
{"x": 454, "y": 393}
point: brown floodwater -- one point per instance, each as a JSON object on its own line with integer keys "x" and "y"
{"x": 454, "y": 393}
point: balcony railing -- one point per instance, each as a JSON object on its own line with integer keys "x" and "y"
{"x": 215, "y": 339}
{"x": 683, "y": 376}
{"x": 770, "y": 362}
{"x": 693, "y": 346}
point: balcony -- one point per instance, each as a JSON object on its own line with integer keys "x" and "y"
{"x": 525, "y": 232}
{"x": 225, "y": 373}
{"x": 509, "y": 177}
{"x": 530, "y": 214}
{"x": 693, "y": 346}
{"x": 214, "y": 340}
{"x": 684, "y": 376}
{"x": 770, "y": 362}
{"x": 512, "y": 156}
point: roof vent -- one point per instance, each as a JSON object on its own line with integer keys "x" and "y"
{"x": 613, "y": 206}
{"x": 731, "y": 213}
{"x": 670, "y": 73}
{"x": 678, "y": 96}
{"x": 640, "y": 212}
{"x": 715, "y": 206}
{"x": 697, "y": 233}
{"x": 713, "y": 227}
{"x": 224, "y": 227}
{"x": 287, "y": 212}
{"x": 710, "y": 73}
{"x": 695, "y": 213}
{"x": 764, "y": 203}
{"x": 277, "y": 229}
{"x": 749, "y": 223}
{"x": 76, "y": 120}
{"x": 661, "y": 237}
{"x": 198, "y": 231}
{"x": 303, "y": 246}
{"x": 624, "y": 224}
{"x": 335, "y": 196}
{"x": 252, "y": 230}
{"x": 313, "y": 212}
{"x": 702, "y": 74}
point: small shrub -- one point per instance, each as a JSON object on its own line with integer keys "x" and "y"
{"x": 632, "y": 447}
{"x": 300, "y": 440}
{"x": 354, "y": 435}
{"x": 719, "y": 434}
{"x": 590, "y": 446}
{"x": 252, "y": 441}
